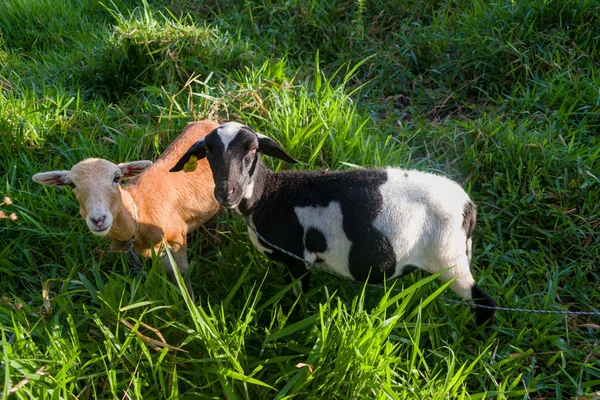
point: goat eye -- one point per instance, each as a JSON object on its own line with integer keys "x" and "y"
{"x": 116, "y": 179}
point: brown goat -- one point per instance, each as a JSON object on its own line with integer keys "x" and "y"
{"x": 166, "y": 205}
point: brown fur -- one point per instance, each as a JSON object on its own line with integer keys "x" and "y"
{"x": 172, "y": 204}
{"x": 169, "y": 205}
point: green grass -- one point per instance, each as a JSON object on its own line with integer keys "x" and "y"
{"x": 502, "y": 96}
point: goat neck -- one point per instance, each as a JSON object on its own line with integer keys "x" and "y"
{"x": 124, "y": 223}
{"x": 257, "y": 188}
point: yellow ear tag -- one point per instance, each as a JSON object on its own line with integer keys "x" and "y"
{"x": 191, "y": 165}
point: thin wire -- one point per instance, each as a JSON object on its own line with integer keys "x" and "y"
{"x": 466, "y": 303}
{"x": 525, "y": 310}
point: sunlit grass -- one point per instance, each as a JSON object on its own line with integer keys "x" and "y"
{"x": 501, "y": 96}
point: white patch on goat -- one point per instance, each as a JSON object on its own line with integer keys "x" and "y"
{"x": 254, "y": 239}
{"x": 248, "y": 190}
{"x": 227, "y": 132}
{"x": 329, "y": 221}
{"x": 469, "y": 247}
{"x": 421, "y": 215}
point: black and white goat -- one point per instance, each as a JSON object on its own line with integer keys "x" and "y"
{"x": 373, "y": 224}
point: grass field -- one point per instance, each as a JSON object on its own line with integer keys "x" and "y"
{"x": 502, "y": 96}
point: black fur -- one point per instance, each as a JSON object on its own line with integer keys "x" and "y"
{"x": 271, "y": 148}
{"x": 275, "y": 196}
{"x": 315, "y": 241}
{"x": 197, "y": 150}
{"x": 483, "y": 315}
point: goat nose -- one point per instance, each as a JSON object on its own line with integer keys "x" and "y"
{"x": 226, "y": 190}
{"x": 225, "y": 193}
{"x": 98, "y": 221}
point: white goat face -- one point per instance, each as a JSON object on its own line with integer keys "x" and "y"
{"x": 232, "y": 152}
{"x": 96, "y": 185}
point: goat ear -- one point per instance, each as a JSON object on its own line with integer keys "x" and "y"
{"x": 131, "y": 169}
{"x": 198, "y": 150}
{"x": 54, "y": 178}
{"x": 271, "y": 148}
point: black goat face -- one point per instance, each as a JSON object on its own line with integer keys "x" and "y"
{"x": 232, "y": 152}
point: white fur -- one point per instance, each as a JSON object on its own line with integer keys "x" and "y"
{"x": 422, "y": 216}
{"x": 328, "y": 220}
{"x": 248, "y": 190}
{"x": 227, "y": 132}
{"x": 97, "y": 208}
